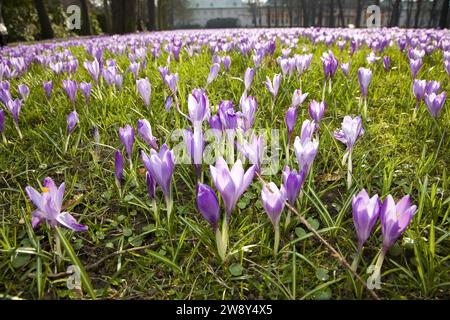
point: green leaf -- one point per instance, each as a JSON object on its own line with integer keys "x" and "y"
{"x": 164, "y": 260}
{"x": 300, "y": 232}
{"x": 314, "y": 223}
{"x": 127, "y": 232}
{"x": 73, "y": 257}
{"x": 322, "y": 274}
{"x": 236, "y": 269}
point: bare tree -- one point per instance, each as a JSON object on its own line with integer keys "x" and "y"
{"x": 395, "y": 14}
{"x": 86, "y": 28}
{"x": 417, "y": 16}
{"x": 276, "y": 12}
{"x": 107, "y": 10}
{"x": 44, "y": 20}
{"x": 358, "y": 13}
{"x": 433, "y": 14}
{"x": 331, "y": 14}
{"x": 409, "y": 10}
{"x": 320, "y": 15}
{"x": 341, "y": 13}
{"x": 151, "y": 23}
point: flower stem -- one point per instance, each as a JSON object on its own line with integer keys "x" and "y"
{"x": 356, "y": 259}
{"x": 169, "y": 206}
{"x": 373, "y": 282}
{"x": 221, "y": 249}
{"x": 4, "y": 138}
{"x": 324, "y": 88}
{"x": 66, "y": 144}
{"x": 156, "y": 213}
{"x": 225, "y": 235}
{"x": 276, "y": 243}
{"x": 350, "y": 170}
{"x": 18, "y": 130}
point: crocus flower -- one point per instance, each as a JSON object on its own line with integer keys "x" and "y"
{"x": 432, "y": 86}
{"x": 198, "y": 106}
{"x": 49, "y": 205}
{"x": 345, "y": 68}
{"x": 134, "y": 69}
{"x": 248, "y": 78}
{"x": 48, "y": 87}
{"x": 172, "y": 82}
{"x": 291, "y": 117}
{"x": 308, "y": 128}
{"x": 386, "y": 62}
{"x": 72, "y": 121}
{"x": 144, "y": 88}
{"x": 93, "y": 68}
{"x": 248, "y": 107}
{"x": 231, "y": 183}
{"x": 273, "y": 86}
{"x": 226, "y": 61}
{"x": 305, "y": 151}
{"x": 216, "y": 125}
{"x": 395, "y": 218}
{"x": 415, "y": 65}
{"x": 160, "y": 165}
{"x": 126, "y": 135}
{"x": 151, "y": 185}
{"x": 145, "y": 132}
{"x": 316, "y": 110}
{"x": 24, "y": 91}
{"x": 14, "y": 106}
{"x": 364, "y": 78}
{"x": 2, "y": 125}
{"x": 208, "y": 204}
{"x": 298, "y": 98}
{"x": 292, "y": 183}
{"x": 71, "y": 88}
{"x": 365, "y": 214}
{"x": 227, "y": 115}
{"x": 195, "y": 144}
{"x": 213, "y": 72}
{"x": 435, "y": 102}
{"x": 329, "y": 63}
{"x": 86, "y": 88}
{"x": 419, "y": 90}
{"x": 273, "y": 200}
{"x": 350, "y": 132}
{"x": 118, "y": 167}
{"x": 253, "y": 150}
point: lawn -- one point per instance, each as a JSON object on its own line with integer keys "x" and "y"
{"x": 134, "y": 249}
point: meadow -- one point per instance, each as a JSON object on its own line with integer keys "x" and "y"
{"x": 108, "y": 116}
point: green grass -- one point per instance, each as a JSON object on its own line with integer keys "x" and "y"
{"x": 126, "y": 256}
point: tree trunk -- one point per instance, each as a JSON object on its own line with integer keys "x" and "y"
{"x": 130, "y": 15}
{"x": 341, "y": 13}
{"x": 107, "y": 9}
{"x": 268, "y": 16}
{"x": 417, "y": 17}
{"x": 305, "y": 13}
{"x": 444, "y": 14}
{"x": 409, "y": 14}
{"x": 331, "y": 15}
{"x": 44, "y": 20}
{"x": 290, "y": 9}
{"x": 395, "y": 14}
{"x": 320, "y": 16}
{"x": 358, "y": 14}
{"x": 312, "y": 14}
{"x": 117, "y": 10}
{"x": 276, "y": 12}
{"x": 86, "y": 28}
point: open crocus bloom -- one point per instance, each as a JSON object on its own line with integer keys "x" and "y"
{"x": 351, "y": 131}
{"x": 231, "y": 183}
{"x": 395, "y": 218}
{"x": 273, "y": 200}
{"x": 365, "y": 214}
{"x": 49, "y": 204}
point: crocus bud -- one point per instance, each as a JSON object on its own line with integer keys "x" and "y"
{"x": 415, "y": 65}
{"x": 291, "y": 117}
{"x": 144, "y": 88}
{"x": 226, "y": 61}
{"x": 365, "y": 214}
{"x": 386, "y": 62}
{"x": 364, "y": 78}
{"x": 435, "y": 102}
{"x": 86, "y": 88}
{"x": 2, "y": 120}
{"x": 198, "y": 106}
{"x": 345, "y": 68}
{"x": 126, "y": 135}
{"x": 395, "y": 218}
{"x": 273, "y": 200}
{"x": 71, "y": 88}
{"x": 160, "y": 164}
{"x": 151, "y": 185}
{"x": 48, "y": 87}
{"x": 248, "y": 78}
{"x": 213, "y": 72}
{"x": 292, "y": 183}
{"x": 419, "y": 89}
{"x": 308, "y": 128}
{"x": 305, "y": 152}
{"x": 274, "y": 86}
{"x": 72, "y": 120}
{"x": 118, "y": 161}
{"x": 208, "y": 204}
{"x": 316, "y": 110}
{"x": 145, "y": 132}
{"x": 24, "y": 91}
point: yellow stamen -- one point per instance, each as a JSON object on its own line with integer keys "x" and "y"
{"x": 44, "y": 190}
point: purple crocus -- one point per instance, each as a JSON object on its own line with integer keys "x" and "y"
{"x": 345, "y": 67}
{"x": 231, "y": 183}
{"x": 93, "y": 68}
{"x": 134, "y": 69}
{"x": 329, "y": 63}
{"x": 226, "y": 61}
{"x": 350, "y": 132}
{"x": 308, "y": 128}
{"x": 195, "y": 143}
{"x": 419, "y": 87}
{"x": 364, "y": 78}
{"x": 298, "y": 98}
{"x": 24, "y": 91}
{"x": 292, "y": 183}
{"x": 273, "y": 86}
{"x": 435, "y": 102}
{"x": 248, "y": 107}
{"x": 118, "y": 167}
{"x": 48, "y": 87}
{"x": 395, "y": 218}
{"x": 144, "y": 88}
{"x": 253, "y": 150}
{"x": 213, "y": 72}
{"x": 2, "y": 125}
{"x": 86, "y": 88}
{"x": 49, "y": 206}
{"x": 291, "y": 118}
{"x": 365, "y": 214}
{"x": 160, "y": 164}
{"x": 273, "y": 201}
{"x": 72, "y": 121}
{"x": 227, "y": 115}
{"x": 126, "y": 135}
{"x": 432, "y": 86}
{"x": 248, "y": 78}
{"x": 198, "y": 106}
{"x": 14, "y": 106}
{"x": 305, "y": 151}
{"x": 151, "y": 185}
{"x": 71, "y": 88}
{"x": 415, "y": 65}
{"x": 145, "y": 132}
{"x": 208, "y": 204}
{"x": 316, "y": 111}
{"x": 386, "y": 63}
